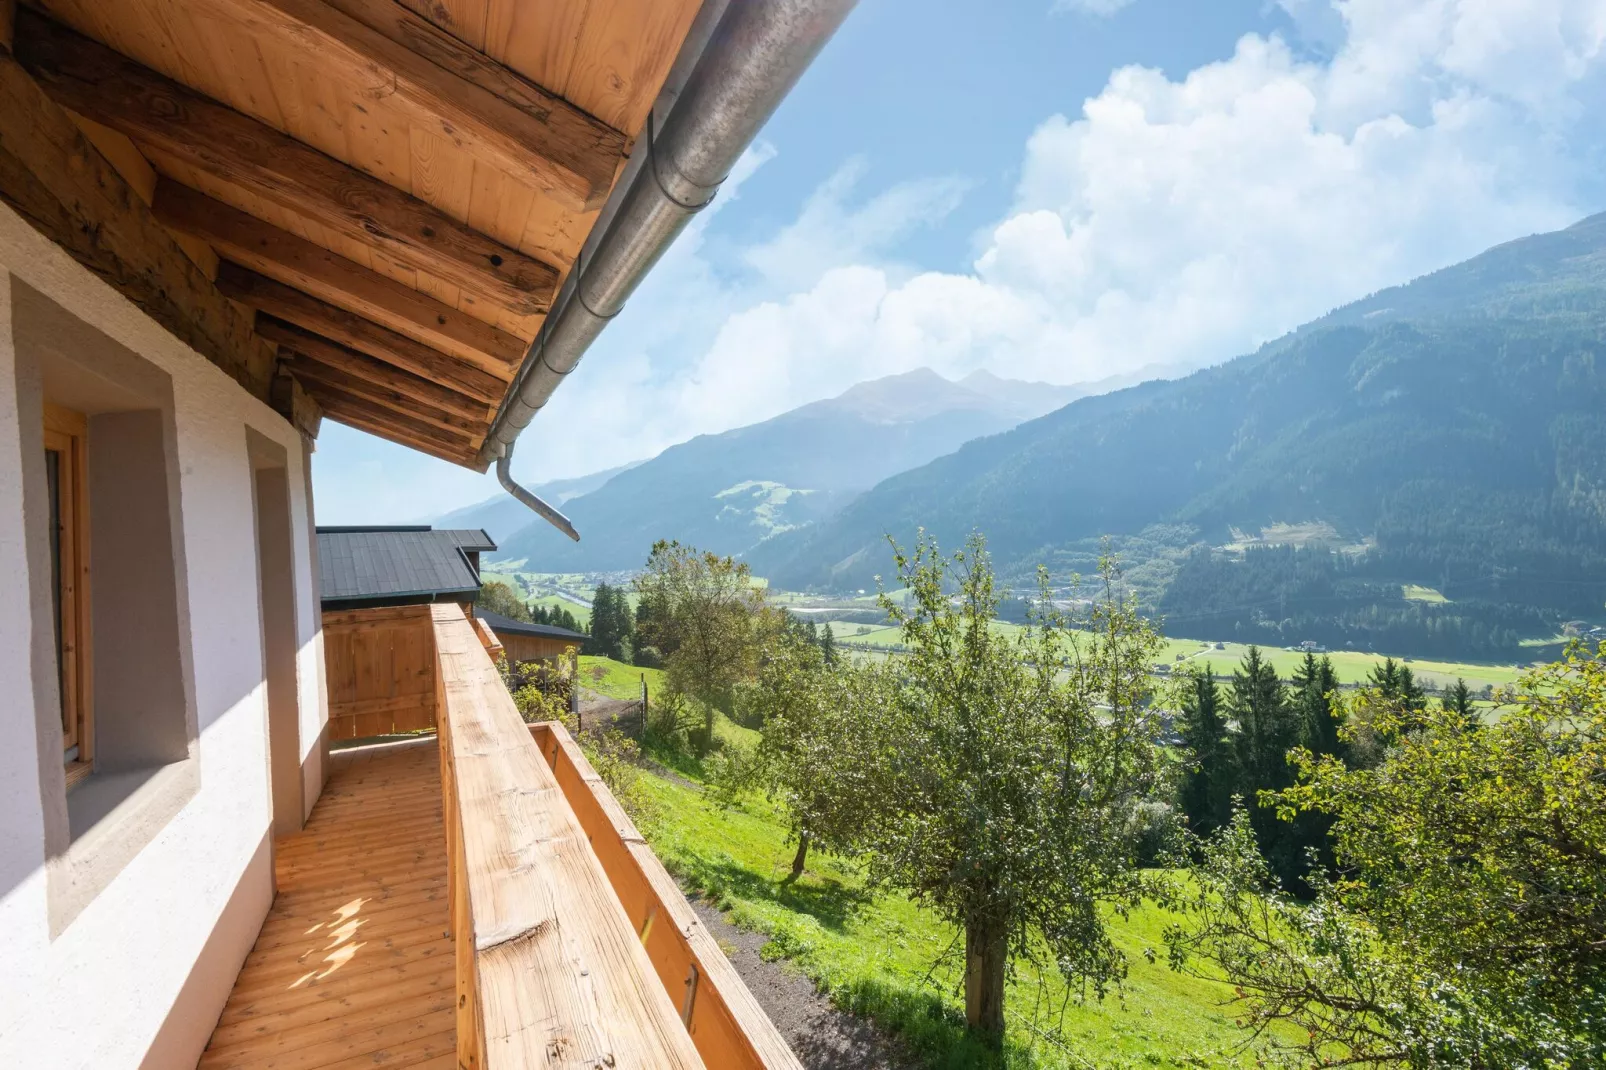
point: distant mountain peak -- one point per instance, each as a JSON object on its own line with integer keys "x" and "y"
{"x": 918, "y": 394}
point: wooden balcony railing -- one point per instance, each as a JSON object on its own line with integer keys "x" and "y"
{"x": 726, "y": 1023}
{"x": 574, "y": 947}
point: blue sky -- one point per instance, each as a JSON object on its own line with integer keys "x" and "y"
{"x": 1063, "y": 191}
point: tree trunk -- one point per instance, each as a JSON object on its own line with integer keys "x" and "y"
{"x": 800, "y": 858}
{"x": 986, "y": 951}
{"x": 707, "y": 742}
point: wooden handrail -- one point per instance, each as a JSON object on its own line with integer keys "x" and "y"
{"x": 551, "y": 973}
{"x": 488, "y": 639}
{"x": 726, "y": 1023}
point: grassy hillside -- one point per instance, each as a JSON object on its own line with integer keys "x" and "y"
{"x": 615, "y": 679}
{"x": 875, "y": 953}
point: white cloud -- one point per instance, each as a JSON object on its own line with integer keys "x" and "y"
{"x": 828, "y": 233}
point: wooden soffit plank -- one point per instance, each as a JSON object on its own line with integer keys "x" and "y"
{"x": 111, "y": 89}
{"x": 310, "y": 267}
{"x": 56, "y": 180}
{"x": 445, "y": 87}
{"x": 321, "y": 318}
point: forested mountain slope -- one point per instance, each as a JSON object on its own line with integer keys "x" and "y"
{"x": 728, "y": 491}
{"x": 1455, "y": 427}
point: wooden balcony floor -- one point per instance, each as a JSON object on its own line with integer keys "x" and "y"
{"x": 353, "y": 967}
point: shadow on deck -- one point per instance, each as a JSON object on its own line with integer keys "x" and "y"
{"x": 353, "y": 966}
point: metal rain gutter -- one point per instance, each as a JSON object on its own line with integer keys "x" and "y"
{"x": 752, "y": 58}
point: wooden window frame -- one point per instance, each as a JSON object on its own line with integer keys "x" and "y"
{"x": 66, "y": 434}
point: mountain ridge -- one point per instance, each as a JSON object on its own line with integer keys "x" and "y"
{"x": 1467, "y": 435}
{"x": 729, "y": 490}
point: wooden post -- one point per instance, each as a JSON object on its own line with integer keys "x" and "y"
{"x": 574, "y": 690}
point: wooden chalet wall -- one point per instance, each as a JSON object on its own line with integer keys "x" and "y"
{"x": 380, "y": 665}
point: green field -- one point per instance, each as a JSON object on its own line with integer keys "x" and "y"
{"x": 582, "y": 614}
{"x": 1352, "y": 666}
{"x": 874, "y": 953}
{"x": 507, "y": 579}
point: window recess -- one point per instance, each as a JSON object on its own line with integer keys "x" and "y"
{"x": 66, "y": 474}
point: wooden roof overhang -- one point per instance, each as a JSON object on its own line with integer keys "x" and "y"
{"x": 371, "y": 203}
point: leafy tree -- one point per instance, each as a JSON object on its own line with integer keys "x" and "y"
{"x": 1469, "y": 930}
{"x": 809, "y": 709}
{"x": 1010, "y": 771}
{"x": 1267, "y": 728}
{"x": 705, "y": 618}
{"x": 497, "y": 597}
{"x": 1210, "y": 776}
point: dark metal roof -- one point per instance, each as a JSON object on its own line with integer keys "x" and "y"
{"x": 509, "y": 626}
{"x": 377, "y": 566}
{"x": 472, "y": 540}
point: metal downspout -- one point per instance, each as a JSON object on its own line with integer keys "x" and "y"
{"x": 754, "y": 55}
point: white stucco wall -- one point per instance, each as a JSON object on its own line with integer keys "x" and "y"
{"x": 100, "y": 993}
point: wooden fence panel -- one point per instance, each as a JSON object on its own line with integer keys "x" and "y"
{"x": 380, "y": 665}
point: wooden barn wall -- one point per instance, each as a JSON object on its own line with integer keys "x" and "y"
{"x": 381, "y": 671}
{"x": 532, "y": 648}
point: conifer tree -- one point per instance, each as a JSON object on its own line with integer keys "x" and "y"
{"x": 610, "y": 623}
{"x": 828, "y": 644}
{"x": 1267, "y": 728}
{"x": 1208, "y": 784}
{"x": 1314, "y": 685}
{"x": 1458, "y": 700}
{"x": 1397, "y": 683}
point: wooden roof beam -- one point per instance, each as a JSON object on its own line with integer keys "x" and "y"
{"x": 375, "y": 419}
{"x": 311, "y": 268}
{"x": 57, "y": 181}
{"x": 455, "y": 92}
{"x": 165, "y": 116}
{"x": 313, "y": 374}
{"x": 392, "y": 380}
{"x": 320, "y": 318}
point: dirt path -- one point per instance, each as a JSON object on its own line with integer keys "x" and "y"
{"x": 599, "y": 709}
{"x": 821, "y": 1036}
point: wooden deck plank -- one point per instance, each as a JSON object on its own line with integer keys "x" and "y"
{"x": 352, "y": 966}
